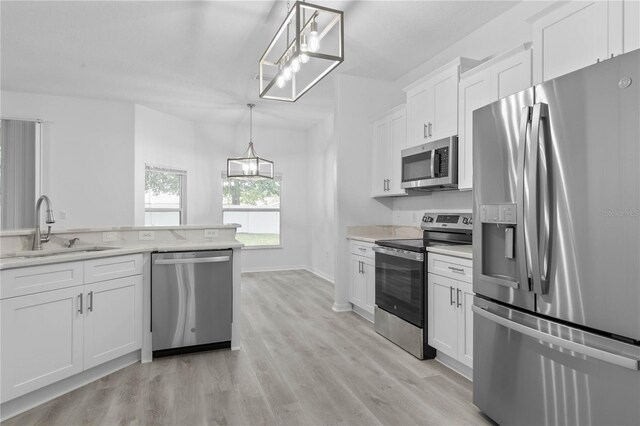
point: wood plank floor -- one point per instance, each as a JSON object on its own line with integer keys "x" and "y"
{"x": 300, "y": 364}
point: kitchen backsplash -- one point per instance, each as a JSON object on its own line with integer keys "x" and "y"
{"x": 408, "y": 211}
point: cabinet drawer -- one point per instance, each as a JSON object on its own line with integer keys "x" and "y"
{"x": 451, "y": 266}
{"x": 36, "y": 279}
{"x": 109, "y": 268}
{"x": 362, "y": 249}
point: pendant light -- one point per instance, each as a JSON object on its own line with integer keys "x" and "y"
{"x": 306, "y": 47}
{"x": 250, "y": 165}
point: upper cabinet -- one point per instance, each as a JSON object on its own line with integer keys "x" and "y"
{"x": 501, "y": 76}
{"x": 389, "y": 139}
{"x": 582, "y": 33}
{"x": 432, "y": 103}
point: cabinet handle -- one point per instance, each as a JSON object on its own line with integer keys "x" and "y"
{"x": 359, "y": 266}
{"x": 385, "y": 184}
{"x": 90, "y": 304}
{"x": 425, "y": 131}
{"x": 388, "y": 184}
{"x": 451, "y": 301}
{"x": 430, "y": 126}
{"x": 80, "y": 300}
{"x": 458, "y": 304}
{"x": 362, "y": 249}
{"x": 458, "y": 270}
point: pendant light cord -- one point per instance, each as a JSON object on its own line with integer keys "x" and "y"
{"x": 250, "y": 122}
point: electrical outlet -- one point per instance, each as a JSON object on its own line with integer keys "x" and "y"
{"x": 210, "y": 233}
{"x": 109, "y": 236}
{"x": 146, "y": 235}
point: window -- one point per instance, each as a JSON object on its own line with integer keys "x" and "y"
{"x": 255, "y": 205}
{"x": 164, "y": 196}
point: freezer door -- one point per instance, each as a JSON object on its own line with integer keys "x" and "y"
{"x": 500, "y": 133}
{"x": 588, "y": 272}
{"x": 528, "y": 370}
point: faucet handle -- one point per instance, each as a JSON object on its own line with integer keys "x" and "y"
{"x": 73, "y": 241}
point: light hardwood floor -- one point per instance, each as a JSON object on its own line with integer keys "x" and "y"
{"x": 300, "y": 363}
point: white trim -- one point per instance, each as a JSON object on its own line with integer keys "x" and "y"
{"x": 364, "y": 314}
{"x": 26, "y": 402}
{"x": 342, "y": 307}
{"x": 455, "y": 365}
{"x": 322, "y": 275}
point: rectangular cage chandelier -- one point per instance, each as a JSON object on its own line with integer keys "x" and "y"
{"x": 308, "y": 45}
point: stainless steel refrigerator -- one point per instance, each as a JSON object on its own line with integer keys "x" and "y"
{"x": 556, "y": 243}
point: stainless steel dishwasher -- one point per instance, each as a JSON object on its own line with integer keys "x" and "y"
{"x": 191, "y": 301}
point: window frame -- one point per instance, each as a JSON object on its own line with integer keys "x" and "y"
{"x": 278, "y": 178}
{"x": 182, "y": 210}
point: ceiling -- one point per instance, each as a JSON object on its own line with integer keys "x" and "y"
{"x": 197, "y": 60}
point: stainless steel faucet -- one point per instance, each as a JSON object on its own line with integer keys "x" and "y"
{"x": 37, "y": 238}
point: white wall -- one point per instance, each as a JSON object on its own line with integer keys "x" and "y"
{"x": 358, "y": 101}
{"x": 321, "y": 186}
{"x": 88, "y": 156}
{"x": 165, "y": 140}
{"x": 288, "y": 150}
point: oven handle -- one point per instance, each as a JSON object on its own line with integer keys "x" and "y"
{"x": 405, "y": 254}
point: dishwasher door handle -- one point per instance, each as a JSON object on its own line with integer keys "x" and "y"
{"x": 217, "y": 259}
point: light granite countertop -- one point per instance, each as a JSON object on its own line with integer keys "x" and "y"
{"x": 20, "y": 262}
{"x": 465, "y": 251}
{"x": 369, "y": 234}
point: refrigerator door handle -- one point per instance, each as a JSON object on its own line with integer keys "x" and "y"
{"x": 521, "y": 253}
{"x": 538, "y": 237}
{"x": 602, "y": 355}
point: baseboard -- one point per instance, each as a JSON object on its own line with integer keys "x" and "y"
{"x": 275, "y": 269}
{"x": 455, "y": 365}
{"x": 28, "y": 401}
{"x": 364, "y": 314}
{"x": 321, "y": 275}
{"x": 342, "y": 307}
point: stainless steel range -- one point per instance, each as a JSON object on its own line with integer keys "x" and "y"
{"x": 401, "y": 280}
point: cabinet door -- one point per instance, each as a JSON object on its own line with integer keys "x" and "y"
{"x": 631, "y": 24}
{"x": 511, "y": 75}
{"x": 41, "y": 340}
{"x": 444, "y": 105}
{"x": 398, "y": 133}
{"x": 113, "y": 319}
{"x": 380, "y": 168}
{"x": 464, "y": 302}
{"x": 357, "y": 286}
{"x": 443, "y": 315}
{"x": 370, "y": 282}
{"x": 474, "y": 93}
{"x": 569, "y": 38}
{"x": 419, "y": 114}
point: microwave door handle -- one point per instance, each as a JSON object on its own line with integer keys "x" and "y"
{"x": 520, "y": 216}
{"x": 433, "y": 163}
{"x": 539, "y": 253}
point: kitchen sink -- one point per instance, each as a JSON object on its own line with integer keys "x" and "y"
{"x": 54, "y": 252}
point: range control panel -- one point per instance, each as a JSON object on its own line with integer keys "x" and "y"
{"x": 447, "y": 220}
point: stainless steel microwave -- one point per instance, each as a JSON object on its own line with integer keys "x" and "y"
{"x": 432, "y": 166}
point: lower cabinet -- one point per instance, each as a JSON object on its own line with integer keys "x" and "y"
{"x": 362, "y": 285}
{"x": 450, "y": 322}
{"x": 51, "y": 335}
{"x": 113, "y": 319}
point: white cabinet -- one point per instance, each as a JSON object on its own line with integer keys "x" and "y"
{"x": 389, "y": 139}
{"x": 450, "y": 297}
{"x": 41, "y": 340}
{"x": 113, "y": 319}
{"x": 362, "y": 285}
{"x": 51, "y": 330}
{"x": 501, "y": 76}
{"x": 580, "y": 33}
{"x": 432, "y": 104}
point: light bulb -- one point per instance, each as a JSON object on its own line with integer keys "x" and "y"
{"x": 280, "y": 82}
{"x": 286, "y": 72}
{"x": 295, "y": 64}
{"x": 304, "y": 48}
{"x": 314, "y": 41}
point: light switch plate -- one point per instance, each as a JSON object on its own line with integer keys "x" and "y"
{"x": 109, "y": 236}
{"x": 210, "y": 233}
{"x": 146, "y": 235}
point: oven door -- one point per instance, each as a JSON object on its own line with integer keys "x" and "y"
{"x": 400, "y": 283}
